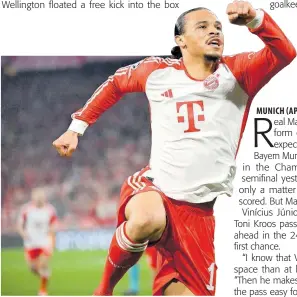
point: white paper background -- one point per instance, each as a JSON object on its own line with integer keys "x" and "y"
{"x": 150, "y": 32}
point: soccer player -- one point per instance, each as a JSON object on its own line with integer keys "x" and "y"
{"x": 36, "y": 225}
{"x": 199, "y": 105}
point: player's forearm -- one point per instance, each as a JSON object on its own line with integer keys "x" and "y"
{"x": 52, "y": 229}
{"x": 102, "y": 99}
{"x": 281, "y": 49}
{"x": 20, "y": 230}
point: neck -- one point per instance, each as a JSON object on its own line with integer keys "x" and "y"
{"x": 198, "y": 67}
{"x": 39, "y": 205}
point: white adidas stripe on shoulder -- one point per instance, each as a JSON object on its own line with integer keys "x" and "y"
{"x": 98, "y": 91}
{"x": 123, "y": 71}
{"x": 152, "y": 60}
{"x": 170, "y": 61}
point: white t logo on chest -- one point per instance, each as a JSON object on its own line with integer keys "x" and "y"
{"x": 190, "y": 115}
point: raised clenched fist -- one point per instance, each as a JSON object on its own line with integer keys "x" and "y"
{"x": 240, "y": 12}
{"x": 66, "y": 144}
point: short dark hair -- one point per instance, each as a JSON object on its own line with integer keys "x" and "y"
{"x": 179, "y": 29}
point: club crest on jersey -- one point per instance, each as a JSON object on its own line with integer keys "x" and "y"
{"x": 211, "y": 82}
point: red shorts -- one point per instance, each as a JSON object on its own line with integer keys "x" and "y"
{"x": 186, "y": 248}
{"x": 34, "y": 253}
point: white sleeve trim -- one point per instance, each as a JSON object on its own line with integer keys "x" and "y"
{"x": 78, "y": 126}
{"x": 257, "y": 21}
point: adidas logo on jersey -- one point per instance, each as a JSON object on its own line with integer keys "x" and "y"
{"x": 168, "y": 94}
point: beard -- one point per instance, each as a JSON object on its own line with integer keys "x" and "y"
{"x": 214, "y": 57}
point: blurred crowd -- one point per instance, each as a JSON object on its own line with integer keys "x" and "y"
{"x": 36, "y": 109}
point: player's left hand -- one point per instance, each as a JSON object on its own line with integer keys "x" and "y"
{"x": 240, "y": 12}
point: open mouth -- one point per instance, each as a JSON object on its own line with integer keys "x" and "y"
{"x": 214, "y": 42}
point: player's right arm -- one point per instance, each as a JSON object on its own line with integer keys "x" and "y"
{"x": 125, "y": 80}
{"x": 53, "y": 222}
{"x": 21, "y": 223}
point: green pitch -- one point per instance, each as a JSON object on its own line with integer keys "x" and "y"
{"x": 74, "y": 273}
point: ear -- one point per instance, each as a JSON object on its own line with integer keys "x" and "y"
{"x": 180, "y": 41}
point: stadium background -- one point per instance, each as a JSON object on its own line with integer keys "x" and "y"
{"x": 38, "y": 96}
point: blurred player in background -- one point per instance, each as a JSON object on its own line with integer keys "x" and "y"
{"x": 199, "y": 104}
{"x": 134, "y": 271}
{"x": 36, "y": 225}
